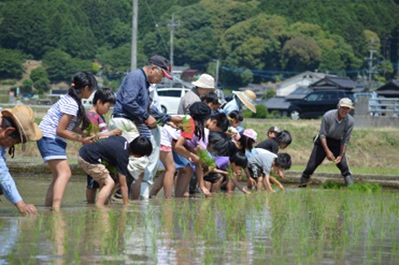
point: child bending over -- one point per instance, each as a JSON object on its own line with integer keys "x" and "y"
{"x": 103, "y": 100}
{"x": 261, "y": 164}
{"x": 111, "y": 152}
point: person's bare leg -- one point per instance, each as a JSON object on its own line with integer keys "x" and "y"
{"x": 167, "y": 160}
{"x": 91, "y": 195}
{"x": 216, "y": 186}
{"x": 183, "y": 181}
{"x": 266, "y": 184}
{"x": 61, "y": 169}
{"x": 136, "y": 187}
{"x": 105, "y": 191}
{"x": 157, "y": 186}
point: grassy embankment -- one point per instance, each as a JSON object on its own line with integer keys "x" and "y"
{"x": 371, "y": 151}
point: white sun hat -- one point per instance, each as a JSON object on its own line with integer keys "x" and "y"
{"x": 205, "y": 81}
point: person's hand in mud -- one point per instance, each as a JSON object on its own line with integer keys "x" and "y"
{"x": 205, "y": 191}
{"x": 26, "y": 208}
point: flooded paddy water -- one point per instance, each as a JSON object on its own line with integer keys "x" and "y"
{"x": 297, "y": 226}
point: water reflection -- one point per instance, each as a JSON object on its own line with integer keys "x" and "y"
{"x": 294, "y": 227}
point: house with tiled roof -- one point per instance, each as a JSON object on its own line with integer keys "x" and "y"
{"x": 389, "y": 90}
{"x": 337, "y": 82}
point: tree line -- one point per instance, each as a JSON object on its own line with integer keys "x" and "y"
{"x": 254, "y": 41}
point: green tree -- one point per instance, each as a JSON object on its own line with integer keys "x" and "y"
{"x": 300, "y": 54}
{"x": 26, "y": 86}
{"x": 385, "y": 69}
{"x": 10, "y": 64}
{"x": 61, "y": 66}
{"x": 56, "y": 62}
{"x": 116, "y": 60}
{"x": 270, "y": 93}
{"x": 38, "y": 73}
{"x": 42, "y": 85}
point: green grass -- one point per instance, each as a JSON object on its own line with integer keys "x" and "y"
{"x": 355, "y": 170}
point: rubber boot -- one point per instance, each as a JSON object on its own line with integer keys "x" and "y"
{"x": 304, "y": 181}
{"x": 348, "y": 180}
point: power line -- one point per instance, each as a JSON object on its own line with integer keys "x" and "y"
{"x": 157, "y": 28}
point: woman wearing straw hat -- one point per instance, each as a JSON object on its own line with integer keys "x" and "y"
{"x": 202, "y": 86}
{"x": 16, "y": 126}
{"x": 240, "y": 99}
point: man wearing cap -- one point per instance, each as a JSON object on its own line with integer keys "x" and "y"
{"x": 16, "y": 126}
{"x": 133, "y": 116}
{"x": 331, "y": 142}
{"x": 133, "y": 98}
{"x": 240, "y": 99}
{"x": 202, "y": 86}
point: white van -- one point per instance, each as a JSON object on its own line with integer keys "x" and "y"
{"x": 88, "y": 102}
{"x": 169, "y": 98}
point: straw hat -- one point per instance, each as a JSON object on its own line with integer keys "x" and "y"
{"x": 23, "y": 118}
{"x": 205, "y": 81}
{"x": 248, "y": 98}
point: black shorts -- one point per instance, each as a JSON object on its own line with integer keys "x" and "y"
{"x": 254, "y": 172}
{"x": 91, "y": 183}
{"x": 213, "y": 177}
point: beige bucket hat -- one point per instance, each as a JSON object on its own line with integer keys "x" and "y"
{"x": 23, "y": 118}
{"x": 346, "y": 102}
{"x": 248, "y": 98}
{"x": 205, "y": 81}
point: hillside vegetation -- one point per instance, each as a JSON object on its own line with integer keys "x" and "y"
{"x": 254, "y": 41}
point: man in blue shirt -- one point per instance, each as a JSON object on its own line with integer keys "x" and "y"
{"x": 134, "y": 116}
{"x": 16, "y": 126}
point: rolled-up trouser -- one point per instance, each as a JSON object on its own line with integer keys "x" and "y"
{"x": 152, "y": 167}
{"x": 318, "y": 155}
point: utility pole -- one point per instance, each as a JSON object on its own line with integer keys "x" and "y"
{"x": 172, "y": 25}
{"x": 217, "y": 73}
{"x": 370, "y": 60}
{"x": 133, "y": 59}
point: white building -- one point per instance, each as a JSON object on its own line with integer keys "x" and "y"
{"x": 304, "y": 79}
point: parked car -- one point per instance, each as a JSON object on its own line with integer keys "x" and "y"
{"x": 169, "y": 98}
{"x": 316, "y": 103}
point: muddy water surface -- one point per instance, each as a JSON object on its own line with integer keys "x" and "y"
{"x": 298, "y": 226}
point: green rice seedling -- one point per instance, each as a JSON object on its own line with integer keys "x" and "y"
{"x": 206, "y": 159}
{"x": 230, "y": 173}
{"x": 365, "y": 187}
{"x": 331, "y": 185}
{"x": 92, "y": 130}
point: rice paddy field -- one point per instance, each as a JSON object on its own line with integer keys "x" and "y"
{"x": 318, "y": 225}
{"x": 295, "y": 226}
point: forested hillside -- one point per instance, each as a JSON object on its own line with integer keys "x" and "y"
{"x": 264, "y": 40}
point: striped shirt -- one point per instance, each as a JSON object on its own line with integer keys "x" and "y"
{"x": 98, "y": 121}
{"x": 65, "y": 105}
